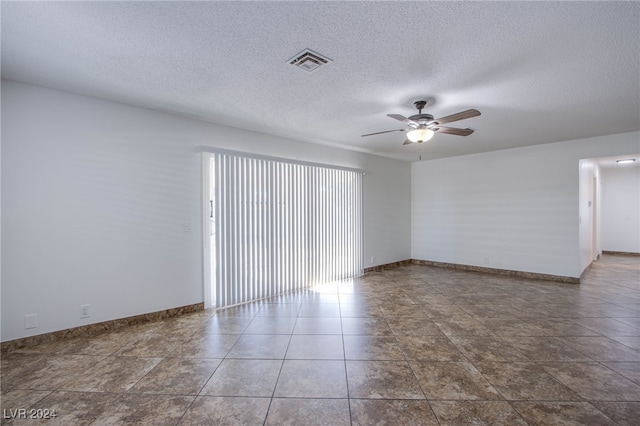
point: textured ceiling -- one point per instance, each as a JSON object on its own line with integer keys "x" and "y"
{"x": 538, "y": 71}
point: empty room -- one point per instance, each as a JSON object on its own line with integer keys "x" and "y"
{"x": 320, "y": 213}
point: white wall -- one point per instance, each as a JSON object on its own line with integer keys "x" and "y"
{"x": 515, "y": 209}
{"x": 95, "y": 195}
{"x": 621, "y": 209}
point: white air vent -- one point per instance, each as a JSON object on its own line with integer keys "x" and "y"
{"x": 309, "y": 60}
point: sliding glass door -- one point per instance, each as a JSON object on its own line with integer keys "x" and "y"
{"x": 280, "y": 226}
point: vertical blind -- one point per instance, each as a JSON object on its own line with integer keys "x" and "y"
{"x": 282, "y": 226}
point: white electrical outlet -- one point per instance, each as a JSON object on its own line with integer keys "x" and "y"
{"x": 188, "y": 226}
{"x": 84, "y": 311}
{"x": 30, "y": 321}
{"x": 373, "y": 260}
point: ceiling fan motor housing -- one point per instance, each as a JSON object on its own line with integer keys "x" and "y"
{"x": 422, "y": 118}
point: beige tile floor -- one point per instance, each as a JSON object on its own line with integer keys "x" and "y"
{"x": 412, "y": 345}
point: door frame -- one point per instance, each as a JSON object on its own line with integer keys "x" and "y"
{"x": 208, "y": 292}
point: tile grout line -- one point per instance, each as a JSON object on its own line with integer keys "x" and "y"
{"x": 344, "y": 354}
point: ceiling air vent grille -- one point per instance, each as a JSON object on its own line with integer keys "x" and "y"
{"x": 309, "y": 60}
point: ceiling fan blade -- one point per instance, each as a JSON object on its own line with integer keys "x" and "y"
{"x": 407, "y": 142}
{"x": 458, "y": 116}
{"x": 453, "y": 131}
{"x": 386, "y": 131}
{"x": 402, "y": 118}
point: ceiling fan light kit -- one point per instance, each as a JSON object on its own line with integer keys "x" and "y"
{"x": 419, "y": 135}
{"x": 422, "y": 127}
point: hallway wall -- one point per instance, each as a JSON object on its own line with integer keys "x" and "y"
{"x": 621, "y": 209}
